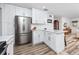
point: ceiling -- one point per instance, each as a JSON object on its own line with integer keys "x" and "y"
{"x": 70, "y": 10}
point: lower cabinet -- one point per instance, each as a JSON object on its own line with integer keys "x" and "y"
{"x": 50, "y": 41}
{"x": 48, "y": 38}
{"x": 10, "y": 48}
{"x": 59, "y": 38}
{"x": 37, "y": 37}
{"x": 55, "y": 41}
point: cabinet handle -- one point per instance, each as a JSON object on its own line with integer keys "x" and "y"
{"x": 49, "y": 38}
{"x": 23, "y": 25}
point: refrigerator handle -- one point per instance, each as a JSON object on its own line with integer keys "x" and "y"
{"x": 23, "y": 25}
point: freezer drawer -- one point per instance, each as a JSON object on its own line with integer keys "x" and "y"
{"x": 23, "y": 38}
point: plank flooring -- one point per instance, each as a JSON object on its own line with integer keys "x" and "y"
{"x": 29, "y": 49}
{"x": 72, "y": 48}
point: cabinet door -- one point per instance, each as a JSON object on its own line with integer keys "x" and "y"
{"x": 27, "y": 12}
{"x": 47, "y": 39}
{"x": 59, "y": 38}
{"x": 9, "y": 13}
{"x": 42, "y": 36}
{"x": 38, "y": 16}
{"x": 44, "y": 16}
{"x": 19, "y": 11}
{"x": 34, "y": 15}
{"x": 36, "y": 37}
{"x": 52, "y": 42}
{"x": 8, "y": 19}
{"x": 10, "y": 48}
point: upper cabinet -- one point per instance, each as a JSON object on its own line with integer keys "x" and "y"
{"x": 39, "y": 16}
{"x": 9, "y": 13}
{"x": 23, "y": 12}
{"x": 27, "y": 12}
{"x": 8, "y": 16}
{"x": 19, "y": 11}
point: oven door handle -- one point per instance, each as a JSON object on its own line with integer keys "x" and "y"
{"x": 5, "y": 46}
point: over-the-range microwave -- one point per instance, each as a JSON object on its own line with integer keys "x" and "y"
{"x": 49, "y": 20}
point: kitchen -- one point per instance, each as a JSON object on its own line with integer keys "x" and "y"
{"x": 46, "y": 29}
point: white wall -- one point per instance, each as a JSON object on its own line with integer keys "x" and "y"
{"x": 75, "y": 29}
{"x": 65, "y": 20}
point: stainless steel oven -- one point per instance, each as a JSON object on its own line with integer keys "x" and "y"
{"x": 3, "y": 48}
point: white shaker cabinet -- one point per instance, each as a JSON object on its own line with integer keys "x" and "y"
{"x": 47, "y": 38}
{"x": 23, "y": 12}
{"x": 50, "y": 41}
{"x": 37, "y": 37}
{"x": 55, "y": 41}
{"x": 19, "y": 11}
{"x": 8, "y": 19}
{"x": 10, "y": 48}
{"x": 42, "y": 36}
{"x": 59, "y": 38}
{"x": 39, "y": 16}
{"x": 27, "y": 12}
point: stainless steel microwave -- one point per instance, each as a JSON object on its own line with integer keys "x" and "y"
{"x": 49, "y": 20}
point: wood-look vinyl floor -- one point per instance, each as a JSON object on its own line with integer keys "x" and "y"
{"x": 29, "y": 49}
{"x": 72, "y": 48}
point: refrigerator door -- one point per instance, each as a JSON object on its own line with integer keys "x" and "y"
{"x": 22, "y": 30}
{"x": 22, "y": 38}
{"x": 24, "y": 25}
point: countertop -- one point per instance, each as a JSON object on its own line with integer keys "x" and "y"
{"x": 6, "y": 38}
{"x": 53, "y": 31}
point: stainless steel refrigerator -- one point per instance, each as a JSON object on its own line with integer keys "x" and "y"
{"x": 23, "y": 33}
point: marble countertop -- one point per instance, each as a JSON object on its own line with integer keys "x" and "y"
{"x": 6, "y": 38}
{"x": 53, "y": 31}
